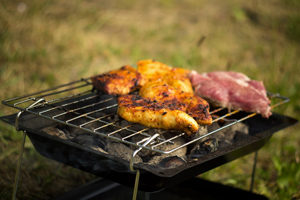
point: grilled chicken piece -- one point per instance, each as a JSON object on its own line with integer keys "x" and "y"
{"x": 198, "y": 108}
{"x": 152, "y": 70}
{"x": 158, "y": 90}
{"x": 176, "y": 77}
{"x": 187, "y": 102}
{"x": 155, "y": 114}
{"x": 118, "y": 82}
{"x": 167, "y": 100}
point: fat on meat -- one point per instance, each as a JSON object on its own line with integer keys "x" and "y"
{"x": 232, "y": 90}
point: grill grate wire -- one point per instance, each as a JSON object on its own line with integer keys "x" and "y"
{"x": 60, "y": 102}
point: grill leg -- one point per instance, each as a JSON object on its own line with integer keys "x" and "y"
{"x": 136, "y": 185}
{"x": 253, "y": 171}
{"x": 137, "y": 176}
{"x": 17, "y": 175}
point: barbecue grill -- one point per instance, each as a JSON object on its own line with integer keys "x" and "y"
{"x": 77, "y": 107}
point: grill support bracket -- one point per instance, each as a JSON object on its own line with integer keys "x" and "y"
{"x": 137, "y": 176}
{"x": 19, "y": 164}
{"x": 18, "y": 170}
{"x": 253, "y": 171}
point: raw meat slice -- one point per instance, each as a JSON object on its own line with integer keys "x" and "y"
{"x": 232, "y": 90}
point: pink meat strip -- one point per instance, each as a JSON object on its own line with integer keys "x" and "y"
{"x": 232, "y": 90}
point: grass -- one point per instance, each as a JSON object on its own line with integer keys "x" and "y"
{"x": 47, "y": 43}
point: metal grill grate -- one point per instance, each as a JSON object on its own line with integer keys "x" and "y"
{"x": 75, "y": 104}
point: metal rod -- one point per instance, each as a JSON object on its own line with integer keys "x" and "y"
{"x": 140, "y": 148}
{"x": 87, "y": 106}
{"x": 216, "y": 110}
{"x": 53, "y": 93}
{"x": 94, "y": 120}
{"x": 24, "y": 101}
{"x": 18, "y": 170}
{"x": 47, "y": 90}
{"x": 69, "y": 96}
{"x": 96, "y": 129}
{"x": 52, "y": 100}
{"x": 168, "y": 140}
{"x": 116, "y": 131}
{"x": 226, "y": 115}
{"x": 253, "y": 171}
{"x": 137, "y": 177}
{"x": 135, "y": 133}
{"x": 136, "y": 185}
{"x": 62, "y": 91}
{"x": 21, "y": 112}
{"x": 17, "y": 175}
{"x": 67, "y": 104}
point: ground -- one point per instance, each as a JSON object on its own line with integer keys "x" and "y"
{"x": 47, "y": 43}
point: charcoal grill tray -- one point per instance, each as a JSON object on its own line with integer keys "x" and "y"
{"x": 152, "y": 178}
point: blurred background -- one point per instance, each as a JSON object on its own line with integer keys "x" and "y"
{"x": 47, "y": 43}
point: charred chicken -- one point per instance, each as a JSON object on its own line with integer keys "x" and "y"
{"x": 187, "y": 102}
{"x": 166, "y": 99}
{"x": 118, "y": 82}
{"x": 155, "y": 114}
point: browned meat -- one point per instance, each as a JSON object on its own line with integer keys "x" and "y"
{"x": 118, "y": 82}
{"x": 195, "y": 106}
{"x": 152, "y": 70}
{"x": 232, "y": 90}
{"x": 166, "y": 96}
{"x": 151, "y": 113}
{"x": 198, "y": 108}
{"x": 155, "y": 71}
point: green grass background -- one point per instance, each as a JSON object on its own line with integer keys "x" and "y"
{"x": 47, "y": 43}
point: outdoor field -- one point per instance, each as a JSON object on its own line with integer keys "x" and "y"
{"x": 47, "y": 43}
